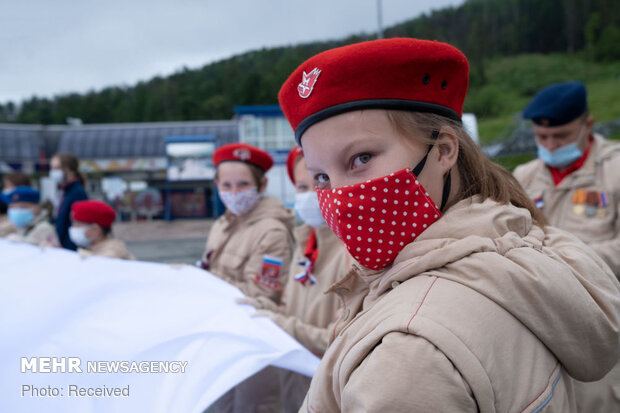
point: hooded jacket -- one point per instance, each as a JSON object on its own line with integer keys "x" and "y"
{"x": 485, "y": 311}
{"x": 245, "y": 250}
{"x": 39, "y": 232}
{"x": 109, "y": 247}
{"x": 6, "y": 226}
{"x": 308, "y": 310}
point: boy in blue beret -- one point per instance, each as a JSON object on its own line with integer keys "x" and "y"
{"x": 576, "y": 183}
{"x": 30, "y": 220}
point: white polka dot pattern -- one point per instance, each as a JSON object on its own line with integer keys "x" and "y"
{"x": 377, "y": 218}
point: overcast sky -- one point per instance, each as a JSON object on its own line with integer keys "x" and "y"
{"x": 53, "y": 47}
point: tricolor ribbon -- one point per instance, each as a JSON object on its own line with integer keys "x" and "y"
{"x": 306, "y": 275}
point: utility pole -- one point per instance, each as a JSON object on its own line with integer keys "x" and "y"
{"x": 380, "y": 27}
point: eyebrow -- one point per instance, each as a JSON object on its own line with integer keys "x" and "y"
{"x": 345, "y": 149}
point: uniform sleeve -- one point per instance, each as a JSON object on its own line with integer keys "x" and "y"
{"x": 43, "y": 236}
{"x": 115, "y": 251}
{"x": 406, "y": 373}
{"x": 263, "y": 278}
{"x": 311, "y": 337}
{"x": 609, "y": 250}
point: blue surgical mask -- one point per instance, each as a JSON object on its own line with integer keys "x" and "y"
{"x": 20, "y": 217}
{"x": 563, "y": 156}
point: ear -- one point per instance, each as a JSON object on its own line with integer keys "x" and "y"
{"x": 589, "y": 123}
{"x": 448, "y": 148}
{"x": 263, "y": 184}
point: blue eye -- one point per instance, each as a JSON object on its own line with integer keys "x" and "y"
{"x": 321, "y": 178}
{"x": 362, "y": 159}
{"x": 321, "y": 181}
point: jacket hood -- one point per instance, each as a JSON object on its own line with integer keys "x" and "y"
{"x": 551, "y": 282}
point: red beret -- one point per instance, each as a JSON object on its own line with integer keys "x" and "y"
{"x": 295, "y": 153}
{"x": 243, "y": 152}
{"x": 406, "y": 74}
{"x": 93, "y": 212}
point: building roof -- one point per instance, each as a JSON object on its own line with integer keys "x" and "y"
{"x": 19, "y": 142}
{"x": 265, "y": 111}
{"x": 118, "y": 140}
{"x": 138, "y": 140}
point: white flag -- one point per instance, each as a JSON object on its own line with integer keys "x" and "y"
{"x": 174, "y": 336}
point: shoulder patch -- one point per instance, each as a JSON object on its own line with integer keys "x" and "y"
{"x": 270, "y": 272}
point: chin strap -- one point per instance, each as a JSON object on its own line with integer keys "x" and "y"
{"x": 446, "y": 190}
{"x": 447, "y": 183}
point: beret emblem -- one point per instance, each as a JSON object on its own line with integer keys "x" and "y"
{"x": 307, "y": 82}
{"x": 242, "y": 153}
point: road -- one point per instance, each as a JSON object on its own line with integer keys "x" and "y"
{"x": 175, "y": 242}
{"x": 171, "y": 251}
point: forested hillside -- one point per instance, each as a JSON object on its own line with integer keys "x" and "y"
{"x": 514, "y": 47}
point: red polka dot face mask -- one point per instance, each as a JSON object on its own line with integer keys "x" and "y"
{"x": 377, "y": 218}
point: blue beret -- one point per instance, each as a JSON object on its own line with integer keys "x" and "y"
{"x": 557, "y": 104}
{"x": 23, "y": 194}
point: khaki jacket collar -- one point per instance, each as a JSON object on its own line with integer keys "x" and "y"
{"x": 584, "y": 176}
{"x": 267, "y": 207}
{"x": 470, "y": 226}
{"x": 36, "y": 221}
{"x": 326, "y": 239}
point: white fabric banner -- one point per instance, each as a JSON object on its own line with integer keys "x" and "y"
{"x": 94, "y": 315}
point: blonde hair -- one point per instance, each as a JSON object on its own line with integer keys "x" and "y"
{"x": 478, "y": 174}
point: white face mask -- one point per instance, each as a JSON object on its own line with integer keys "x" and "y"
{"x": 242, "y": 202}
{"x": 78, "y": 236}
{"x": 57, "y": 175}
{"x": 307, "y": 207}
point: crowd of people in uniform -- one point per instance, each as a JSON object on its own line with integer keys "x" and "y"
{"x": 426, "y": 277}
{"x": 80, "y": 224}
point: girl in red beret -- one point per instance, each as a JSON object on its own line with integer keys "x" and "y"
{"x": 250, "y": 246}
{"x": 319, "y": 260}
{"x": 91, "y": 230}
{"x": 462, "y": 300}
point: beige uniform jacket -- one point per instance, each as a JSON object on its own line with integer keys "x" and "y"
{"x": 599, "y": 174}
{"x": 308, "y": 310}
{"x": 483, "y": 312}
{"x": 109, "y": 247}
{"x": 39, "y": 232}
{"x": 6, "y": 227}
{"x": 253, "y": 251}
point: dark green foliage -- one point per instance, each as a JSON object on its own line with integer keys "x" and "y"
{"x": 511, "y": 162}
{"x": 484, "y": 29}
